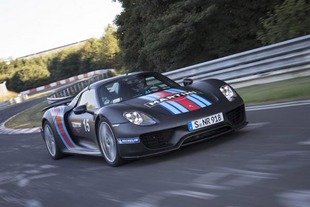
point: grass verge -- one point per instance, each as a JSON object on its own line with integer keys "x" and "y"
{"x": 293, "y": 89}
{"x": 27, "y": 119}
{"x": 40, "y": 95}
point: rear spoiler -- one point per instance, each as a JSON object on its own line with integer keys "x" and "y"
{"x": 53, "y": 102}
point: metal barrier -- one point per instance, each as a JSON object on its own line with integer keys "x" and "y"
{"x": 292, "y": 56}
{"x": 75, "y": 88}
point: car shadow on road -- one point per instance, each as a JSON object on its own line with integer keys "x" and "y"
{"x": 177, "y": 154}
{"x": 189, "y": 150}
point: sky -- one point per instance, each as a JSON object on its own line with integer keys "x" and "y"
{"x": 30, "y": 26}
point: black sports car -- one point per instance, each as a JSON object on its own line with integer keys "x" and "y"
{"x": 140, "y": 114}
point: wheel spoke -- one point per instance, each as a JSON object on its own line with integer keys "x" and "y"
{"x": 107, "y": 142}
{"x": 50, "y": 140}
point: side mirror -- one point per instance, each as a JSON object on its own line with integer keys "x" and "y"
{"x": 80, "y": 110}
{"x": 187, "y": 81}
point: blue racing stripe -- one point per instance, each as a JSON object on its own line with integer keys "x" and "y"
{"x": 171, "y": 108}
{"x": 178, "y": 106}
{"x": 199, "y": 103}
{"x": 201, "y": 99}
{"x": 174, "y": 104}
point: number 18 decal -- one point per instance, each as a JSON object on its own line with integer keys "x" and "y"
{"x": 86, "y": 125}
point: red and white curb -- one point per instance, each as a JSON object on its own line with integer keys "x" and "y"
{"x": 4, "y": 130}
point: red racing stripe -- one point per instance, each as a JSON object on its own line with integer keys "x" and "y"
{"x": 62, "y": 131}
{"x": 188, "y": 104}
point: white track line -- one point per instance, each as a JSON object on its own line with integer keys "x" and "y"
{"x": 278, "y": 105}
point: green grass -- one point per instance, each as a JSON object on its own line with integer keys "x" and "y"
{"x": 39, "y": 95}
{"x": 27, "y": 119}
{"x": 294, "y": 89}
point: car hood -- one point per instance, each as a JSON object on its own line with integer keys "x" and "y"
{"x": 172, "y": 101}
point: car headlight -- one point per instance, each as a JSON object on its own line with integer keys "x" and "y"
{"x": 139, "y": 118}
{"x": 228, "y": 92}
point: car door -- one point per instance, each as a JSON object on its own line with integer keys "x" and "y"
{"x": 82, "y": 126}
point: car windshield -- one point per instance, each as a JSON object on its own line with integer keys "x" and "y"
{"x": 133, "y": 86}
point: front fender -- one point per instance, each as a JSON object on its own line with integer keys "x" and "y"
{"x": 113, "y": 113}
{"x": 212, "y": 87}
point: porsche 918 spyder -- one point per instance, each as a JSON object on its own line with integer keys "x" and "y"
{"x": 139, "y": 115}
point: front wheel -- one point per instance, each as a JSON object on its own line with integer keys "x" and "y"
{"x": 51, "y": 143}
{"x": 108, "y": 144}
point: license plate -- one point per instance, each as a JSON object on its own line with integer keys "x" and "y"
{"x": 206, "y": 121}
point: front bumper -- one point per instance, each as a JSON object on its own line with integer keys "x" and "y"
{"x": 172, "y": 138}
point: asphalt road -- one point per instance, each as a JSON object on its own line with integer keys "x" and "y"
{"x": 6, "y": 113}
{"x": 265, "y": 164}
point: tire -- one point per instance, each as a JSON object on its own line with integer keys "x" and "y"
{"x": 50, "y": 142}
{"x": 108, "y": 144}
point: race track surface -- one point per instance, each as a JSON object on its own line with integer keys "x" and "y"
{"x": 8, "y": 112}
{"x": 265, "y": 164}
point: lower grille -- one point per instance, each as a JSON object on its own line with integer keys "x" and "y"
{"x": 206, "y": 134}
{"x": 236, "y": 116}
{"x": 156, "y": 140}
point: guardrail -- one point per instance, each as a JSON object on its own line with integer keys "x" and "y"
{"x": 282, "y": 60}
{"x": 75, "y": 88}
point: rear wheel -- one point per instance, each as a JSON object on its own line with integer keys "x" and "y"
{"x": 108, "y": 144}
{"x": 50, "y": 142}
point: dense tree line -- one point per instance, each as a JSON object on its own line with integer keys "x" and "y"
{"x": 95, "y": 54}
{"x": 162, "y": 35}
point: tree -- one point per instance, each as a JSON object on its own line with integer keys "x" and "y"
{"x": 286, "y": 21}
{"x": 90, "y": 55}
{"x": 164, "y": 35}
{"x": 3, "y": 71}
{"x": 100, "y": 53}
{"x": 28, "y": 77}
{"x": 109, "y": 44}
{"x": 129, "y": 33}
{"x": 64, "y": 64}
